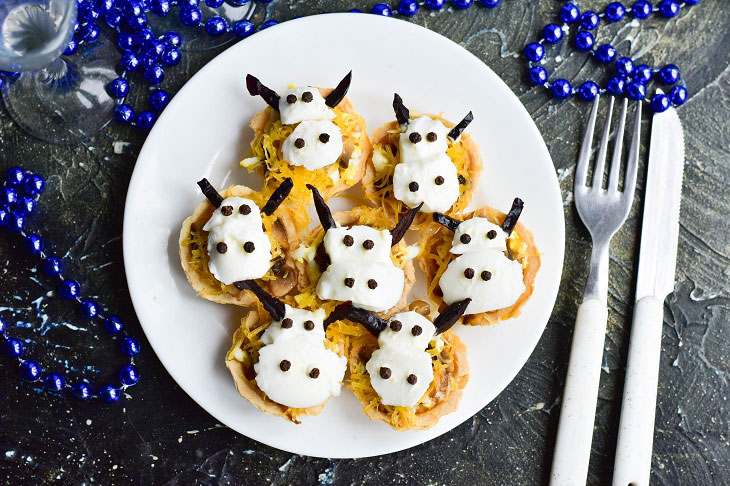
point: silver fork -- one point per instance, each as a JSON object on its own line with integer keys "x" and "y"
{"x": 603, "y": 211}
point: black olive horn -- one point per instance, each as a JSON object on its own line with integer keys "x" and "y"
{"x": 448, "y": 317}
{"x": 372, "y": 323}
{"x": 323, "y": 211}
{"x": 278, "y": 196}
{"x": 514, "y": 214}
{"x": 210, "y": 192}
{"x": 339, "y": 313}
{"x": 256, "y": 88}
{"x": 461, "y": 126}
{"x": 333, "y": 99}
{"x": 401, "y": 112}
{"x": 403, "y": 224}
{"x": 273, "y": 306}
{"x": 446, "y": 221}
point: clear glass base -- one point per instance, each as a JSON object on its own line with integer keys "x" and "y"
{"x": 67, "y": 101}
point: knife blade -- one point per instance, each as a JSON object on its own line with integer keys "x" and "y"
{"x": 657, "y": 267}
{"x": 660, "y": 227}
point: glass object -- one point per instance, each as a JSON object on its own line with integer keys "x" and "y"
{"x": 59, "y": 99}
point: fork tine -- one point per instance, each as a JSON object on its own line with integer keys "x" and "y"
{"x": 581, "y": 170}
{"x": 601, "y": 158}
{"x": 618, "y": 148}
{"x": 633, "y": 161}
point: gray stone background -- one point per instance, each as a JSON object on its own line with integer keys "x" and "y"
{"x": 159, "y": 435}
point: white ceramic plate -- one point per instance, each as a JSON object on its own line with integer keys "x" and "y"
{"x": 204, "y": 133}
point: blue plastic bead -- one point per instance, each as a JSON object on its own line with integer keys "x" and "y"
{"x": 113, "y": 18}
{"x": 606, "y": 53}
{"x": 154, "y": 74}
{"x": 81, "y": 391}
{"x": 569, "y": 13}
{"x": 624, "y": 66}
{"x": 462, "y": 4}
{"x": 154, "y": 48}
{"x": 3, "y": 326}
{"x": 9, "y": 195}
{"x": 188, "y": 3}
{"x": 124, "y": 113}
{"x": 190, "y": 15}
{"x": 562, "y": 88}
{"x": 214, "y": 3}
{"x": 71, "y": 48}
{"x": 159, "y": 99}
{"x": 170, "y": 57}
{"x": 34, "y": 244}
{"x": 3, "y": 216}
{"x": 584, "y": 40}
{"x": 25, "y": 205}
{"x": 125, "y": 41}
{"x": 642, "y": 73}
{"x": 668, "y": 74}
{"x": 616, "y": 86}
{"x": 54, "y": 382}
{"x": 13, "y": 347}
{"x": 146, "y": 119}
{"x": 11, "y": 75}
{"x": 129, "y": 62}
{"x": 641, "y": 9}
{"x": 615, "y": 11}
{"x": 109, "y": 393}
{"x": 538, "y": 75}
{"x": 52, "y": 266}
{"x": 660, "y": 103}
{"x": 142, "y": 37}
{"x": 489, "y": 3}
{"x": 636, "y": 90}
{"x": 89, "y": 309}
{"x": 268, "y": 23}
{"x": 15, "y": 176}
{"x": 160, "y": 7}
{"x": 89, "y": 33}
{"x": 435, "y": 4}
{"x": 34, "y": 184}
{"x": 668, "y": 8}
{"x": 552, "y": 33}
{"x": 129, "y": 346}
{"x": 113, "y": 325}
{"x": 69, "y": 289}
{"x": 129, "y": 375}
{"x": 15, "y": 221}
{"x": 589, "y": 20}
{"x": 678, "y": 95}
{"x": 30, "y": 370}
{"x": 408, "y": 8}
{"x": 119, "y": 88}
{"x": 243, "y": 28}
{"x": 136, "y": 23}
{"x": 105, "y": 5}
{"x": 172, "y": 38}
{"x": 132, "y": 8}
{"x": 534, "y": 52}
{"x": 216, "y": 26}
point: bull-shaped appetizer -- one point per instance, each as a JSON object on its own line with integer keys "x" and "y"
{"x": 239, "y": 235}
{"x": 491, "y": 259}
{"x": 422, "y": 159}
{"x": 312, "y": 135}
{"x": 290, "y": 369}
{"x": 356, "y": 260}
{"x": 413, "y": 373}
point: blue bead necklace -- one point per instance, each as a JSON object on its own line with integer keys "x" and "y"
{"x": 20, "y": 192}
{"x": 630, "y": 80}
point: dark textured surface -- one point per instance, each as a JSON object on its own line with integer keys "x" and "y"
{"x": 160, "y": 435}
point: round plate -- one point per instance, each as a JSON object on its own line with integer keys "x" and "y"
{"x": 204, "y": 133}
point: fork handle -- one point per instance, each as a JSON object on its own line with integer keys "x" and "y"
{"x": 577, "y": 412}
{"x": 638, "y": 407}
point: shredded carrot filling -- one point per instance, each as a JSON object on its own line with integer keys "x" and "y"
{"x": 383, "y": 195}
{"x": 199, "y": 258}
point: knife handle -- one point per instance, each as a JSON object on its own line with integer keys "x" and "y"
{"x": 577, "y": 412}
{"x": 638, "y": 407}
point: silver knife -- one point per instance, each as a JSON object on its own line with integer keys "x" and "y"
{"x": 657, "y": 265}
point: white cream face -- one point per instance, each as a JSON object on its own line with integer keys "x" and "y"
{"x": 237, "y": 245}
{"x": 407, "y": 330}
{"x": 390, "y": 369}
{"x": 361, "y": 269}
{"x": 313, "y": 144}
{"x": 433, "y": 182}
{"x": 298, "y": 324}
{"x": 431, "y": 140}
{"x": 478, "y": 234}
{"x": 489, "y": 278}
{"x": 293, "y": 108}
